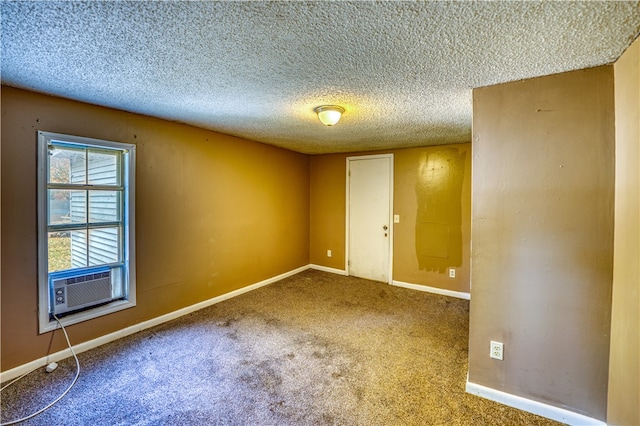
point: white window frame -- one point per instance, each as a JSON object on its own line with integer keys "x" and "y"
{"x": 47, "y": 324}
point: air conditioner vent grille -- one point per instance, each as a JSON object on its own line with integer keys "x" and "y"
{"x": 88, "y": 292}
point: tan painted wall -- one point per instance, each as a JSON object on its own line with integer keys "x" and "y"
{"x": 433, "y": 186}
{"x": 213, "y": 214}
{"x": 414, "y": 181}
{"x": 327, "y": 210}
{"x": 542, "y": 238}
{"x": 624, "y": 368}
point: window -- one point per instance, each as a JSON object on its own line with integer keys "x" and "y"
{"x": 85, "y": 228}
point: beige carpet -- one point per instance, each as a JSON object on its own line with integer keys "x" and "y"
{"x": 313, "y": 349}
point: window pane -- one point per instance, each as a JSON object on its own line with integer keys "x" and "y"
{"x": 104, "y": 246}
{"x": 66, "y": 165}
{"x": 67, "y": 206}
{"x": 103, "y": 168}
{"x": 59, "y": 251}
{"x": 104, "y": 206}
{"x": 78, "y": 249}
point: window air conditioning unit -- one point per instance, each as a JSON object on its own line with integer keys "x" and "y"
{"x": 79, "y": 289}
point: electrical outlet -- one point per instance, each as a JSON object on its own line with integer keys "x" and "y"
{"x": 452, "y": 272}
{"x": 497, "y": 350}
{"x": 328, "y": 253}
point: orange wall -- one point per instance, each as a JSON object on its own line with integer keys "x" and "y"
{"x": 542, "y": 232}
{"x": 214, "y": 213}
{"x": 411, "y": 185}
{"x": 624, "y": 364}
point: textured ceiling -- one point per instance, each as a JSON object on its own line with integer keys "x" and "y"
{"x": 402, "y": 70}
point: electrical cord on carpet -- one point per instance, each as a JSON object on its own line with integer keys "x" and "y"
{"x": 42, "y": 410}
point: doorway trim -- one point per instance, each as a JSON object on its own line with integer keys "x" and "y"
{"x": 348, "y": 204}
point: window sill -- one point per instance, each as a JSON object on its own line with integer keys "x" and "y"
{"x": 112, "y": 307}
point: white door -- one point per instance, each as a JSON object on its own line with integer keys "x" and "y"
{"x": 369, "y": 213}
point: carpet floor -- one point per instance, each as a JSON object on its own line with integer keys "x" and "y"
{"x": 312, "y": 349}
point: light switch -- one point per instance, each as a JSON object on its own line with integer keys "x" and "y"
{"x": 396, "y": 218}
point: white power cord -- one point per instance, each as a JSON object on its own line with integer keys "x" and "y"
{"x": 42, "y": 410}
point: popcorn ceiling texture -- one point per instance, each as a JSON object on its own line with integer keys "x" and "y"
{"x": 403, "y": 70}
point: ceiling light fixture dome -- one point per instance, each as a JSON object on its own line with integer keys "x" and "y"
{"x": 329, "y": 114}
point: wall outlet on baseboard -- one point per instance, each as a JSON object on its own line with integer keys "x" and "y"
{"x": 497, "y": 350}
{"x": 452, "y": 272}
{"x": 328, "y": 253}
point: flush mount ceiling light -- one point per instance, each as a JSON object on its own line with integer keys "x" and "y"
{"x": 329, "y": 114}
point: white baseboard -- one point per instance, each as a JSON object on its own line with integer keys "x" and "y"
{"x": 85, "y": 346}
{"x": 531, "y": 406}
{"x": 442, "y": 291}
{"x": 327, "y": 269}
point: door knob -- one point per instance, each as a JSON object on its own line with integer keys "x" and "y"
{"x": 385, "y": 227}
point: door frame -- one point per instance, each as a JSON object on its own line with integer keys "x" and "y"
{"x": 348, "y": 205}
